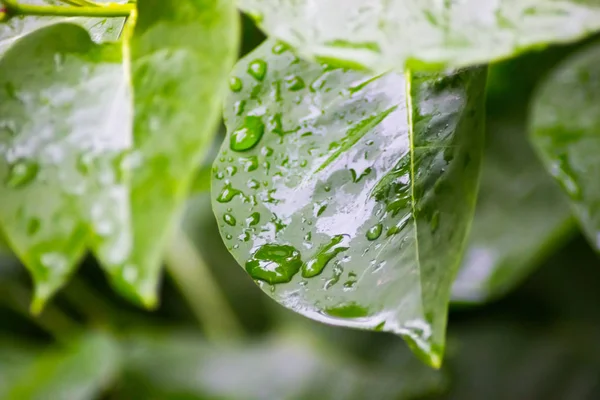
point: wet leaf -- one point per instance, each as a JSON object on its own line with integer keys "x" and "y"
{"x": 182, "y": 51}
{"x": 389, "y": 34}
{"x": 342, "y": 205}
{"x": 565, "y": 127}
{"x": 64, "y": 127}
{"x": 521, "y": 215}
{"x": 80, "y": 371}
{"x": 100, "y": 29}
{"x": 290, "y": 366}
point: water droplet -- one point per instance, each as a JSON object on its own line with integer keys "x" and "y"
{"x": 266, "y": 151}
{"x": 347, "y": 310}
{"x": 356, "y": 177}
{"x": 294, "y": 83}
{"x": 235, "y": 84}
{"x": 248, "y": 135}
{"x": 258, "y": 69}
{"x": 253, "y": 184}
{"x": 227, "y": 194}
{"x": 279, "y": 48}
{"x": 319, "y": 208}
{"x": 324, "y": 255}
{"x": 253, "y": 219}
{"x": 274, "y": 263}
{"x": 250, "y": 164}
{"x": 228, "y": 237}
{"x": 22, "y": 173}
{"x": 229, "y": 219}
{"x": 374, "y": 232}
{"x": 239, "y": 107}
{"x": 231, "y": 170}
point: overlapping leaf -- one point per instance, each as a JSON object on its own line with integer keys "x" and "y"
{"x": 80, "y": 167}
{"x": 389, "y": 34}
{"x": 565, "y": 127}
{"x": 348, "y": 196}
{"x": 521, "y": 215}
{"x": 65, "y": 125}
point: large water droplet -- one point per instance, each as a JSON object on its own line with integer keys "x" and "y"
{"x": 347, "y": 310}
{"x": 274, "y": 263}
{"x": 22, "y": 173}
{"x": 326, "y": 253}
{"x": 258, "y": 69}
{"x": 374, "y": 232}
{"x": 227, "y": 194}
{"x": 248, "y": 135}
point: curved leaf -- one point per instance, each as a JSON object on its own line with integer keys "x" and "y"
{"x": 289, "y": 366}
{"x": 182, "y": 51}
{"x": 348, "y": 196}
{"x": 391, "y": 34}
{"x": 521, "y": 214}
{"x": 64, "y": 128}
{"x": 565, "y": 127}
{"x": 80, "y": 371}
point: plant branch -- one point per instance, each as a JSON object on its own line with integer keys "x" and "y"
{"x": 13, "y": 8}
{"x": 195, "y": 280}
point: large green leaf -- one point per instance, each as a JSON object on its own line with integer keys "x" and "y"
{"x": 80, "y": 371}
{"x": 64, "y": 127}
{"x": 521, "y": 215}
{"x": 289, "y": 366}
{"x": 389, "y": 34}
{"x": 182, "y": 51}
{"x": 100, "y": 29}
{"x": 348, "y": 196}
{"x": 565, "y": 127}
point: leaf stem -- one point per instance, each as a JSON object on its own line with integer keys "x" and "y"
{"x": 13, "y": 8}
{"x": 195, "y": 280}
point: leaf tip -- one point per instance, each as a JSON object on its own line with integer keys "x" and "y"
{"x": 41, "y": 295}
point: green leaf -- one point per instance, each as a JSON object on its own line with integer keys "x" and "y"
{"x": 64, "y": 128}
{"x": 100, "y": 29}
{"x": 341, "y": 204}
{"x": 80, "y": 371}
{"x": 182, "y": 51}
{"x": 16, "y": 357}
{"x": 390, "y": 34}
{"x": 521, "y": 215}
{"x": 565, "y": 127}
{"x": 290, "y": 366}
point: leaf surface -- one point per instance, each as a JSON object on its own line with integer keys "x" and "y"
{"x": 521, "y": 215}
{"x": 565, "y": 129}
{"x": 390, "y": 34}
{"x": 181, "y": 53}
{"x": 65, "y": 125}
{"x": 348, "y": 196}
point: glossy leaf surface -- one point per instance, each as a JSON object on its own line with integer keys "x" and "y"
{"x": 565, "y": 127}
{"x": 182, "y": 51}
{"x": 521, "y": 215}
{"x": 100, "y": 29}
{"x": 348, "y": 196}
{"x": 65, "y": 125}
{"x": 389, "y": 34}
{"x": 289, "y": 366}
{"x": 80, "y": 371}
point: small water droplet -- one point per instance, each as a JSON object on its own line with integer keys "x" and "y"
{"x": 239, "y": 107}
{"x": 235, "y": 84}
{"x": 250, "y": 164}
{"x": 266, "y": 151}
{"x": 231, "y": 170}
{"x": 356, "y": 177}
{"x": 319, "y": 208}
{"x": 253, "y": 184}
{"x": 258, "y": 69}
{"x": 374, "y": 232}
{"x": 347, "y": 310}
{"x": 294, "y": 83}
{"x": 22, "y": 173}
{"x": 324, "y": 255}
{"x": 274, "y": 263}
{"x": 248, "y": 135}
{"x": 279, "y": 48}
{"x": 253, "y": 219}
{"x": 227, "y": 194}
{"x": 33, "y": 226}
{"x": 229, "y": 219}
